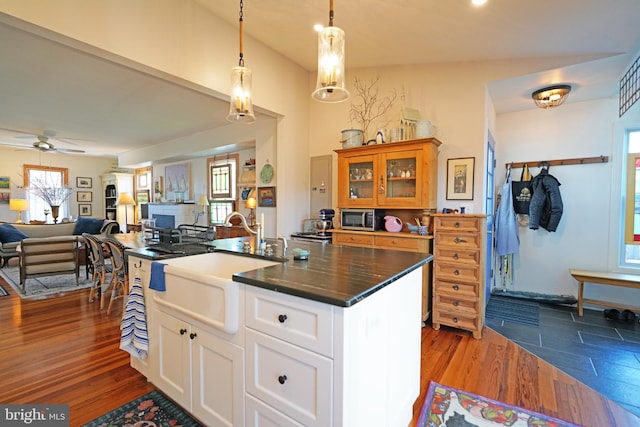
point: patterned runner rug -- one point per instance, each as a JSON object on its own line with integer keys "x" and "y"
{"x": 451, "y": 407}
{"x": 42, "y": 287}
{"x": 152, "y": 409}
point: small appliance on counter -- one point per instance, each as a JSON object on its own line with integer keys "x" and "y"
{"x": 362, "y": 219}
{"x": 325, "y": 222}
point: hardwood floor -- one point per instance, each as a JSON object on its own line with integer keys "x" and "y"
{"x": 65, "y": 350}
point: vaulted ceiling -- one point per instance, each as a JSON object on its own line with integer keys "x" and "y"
{"x": 40, "y": 79}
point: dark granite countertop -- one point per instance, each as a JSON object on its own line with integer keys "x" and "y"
{"x": 336, "y": 275}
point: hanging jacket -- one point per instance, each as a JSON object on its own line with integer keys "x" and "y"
{"x": 507, "y": 240}
{"x": 545, "y": 209}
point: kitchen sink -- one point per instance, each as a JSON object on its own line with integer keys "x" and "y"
{"x": 201, "y": 287}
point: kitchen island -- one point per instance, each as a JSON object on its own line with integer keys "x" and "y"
{"x": 329, "y": 341}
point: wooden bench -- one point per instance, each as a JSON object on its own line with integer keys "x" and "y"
{"x": 603, "y": 278}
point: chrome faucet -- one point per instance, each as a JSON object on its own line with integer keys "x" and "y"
{"x": 284, "y": 245}
{"x": 257, "y": 233}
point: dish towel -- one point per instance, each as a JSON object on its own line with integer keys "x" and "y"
{"x": 156, "y": 282}
{"x": 133, "y": 327}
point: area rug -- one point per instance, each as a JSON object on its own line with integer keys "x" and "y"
{"x": 451, "y": 407}
{"x": 514, "y": 310}
{"x": 42, "y": 287}
{"x": 152, "y": 409}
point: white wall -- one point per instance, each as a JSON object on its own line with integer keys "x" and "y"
{"x": 11, "y": 165}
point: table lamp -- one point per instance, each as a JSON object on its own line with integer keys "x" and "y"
{"x": 125, "y": 199}
{"x": 251, "y": 205}
{"x": 19, "y": 205}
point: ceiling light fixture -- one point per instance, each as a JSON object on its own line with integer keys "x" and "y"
{"x": 240, "y": 105}
{"x": 551, "y": 96}
{"x": 331, "y": 86}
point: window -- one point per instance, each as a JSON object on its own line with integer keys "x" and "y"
{"x": 631, "y": 212}
{"x": 47, "y": 183}
{"x": 221, "y": 186}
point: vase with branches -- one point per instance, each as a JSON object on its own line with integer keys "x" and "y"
{"x": 372, "y": 106}
{"x": 54, "y": 196}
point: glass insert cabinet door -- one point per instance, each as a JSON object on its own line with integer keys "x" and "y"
{"x": 361, "y": 178}
{"x": 399, "y": 184}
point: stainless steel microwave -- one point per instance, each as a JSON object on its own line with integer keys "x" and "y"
{"x": 362, "y": 219}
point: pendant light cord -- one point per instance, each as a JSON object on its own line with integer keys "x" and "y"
{"x": 331, "y": 13}
{"x": 240, "y": 21}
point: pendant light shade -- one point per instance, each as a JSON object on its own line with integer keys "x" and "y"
{"x": 331, "y": 86}
{"x": 241, "y": 104}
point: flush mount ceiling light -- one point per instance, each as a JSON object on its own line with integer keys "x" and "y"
{"x": 551, "y": 96}
{"x": 331, "y": 85}
{"x": 241, "y": 106}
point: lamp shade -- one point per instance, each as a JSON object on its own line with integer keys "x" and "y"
{"x": 125, "y": 199}
{"x": 241, "y": 106}
{"x": 18, "y": 204}
{"x": 251, "y": 200}
{"x": 203, "y": 201}
{"x": 331, "y": 86}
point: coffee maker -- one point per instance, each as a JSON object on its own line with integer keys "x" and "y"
{"x": 325, "y": 222}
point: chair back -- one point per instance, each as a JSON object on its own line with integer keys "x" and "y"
{"x": 116, "y": 253}
{"x": 96, "y": 253}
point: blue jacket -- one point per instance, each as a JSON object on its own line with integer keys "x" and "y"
{"x": 545, "y": 209}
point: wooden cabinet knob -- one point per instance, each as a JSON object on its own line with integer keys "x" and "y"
{"x": 456, "y": 287}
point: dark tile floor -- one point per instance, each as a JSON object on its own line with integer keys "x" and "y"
{"x": 604, "y": 354}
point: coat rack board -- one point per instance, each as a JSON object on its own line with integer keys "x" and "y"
{"x": 561, "y": 162}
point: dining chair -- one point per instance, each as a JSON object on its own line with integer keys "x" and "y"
{"x": 120, "y": 271}
{"x": 100, "y": 266}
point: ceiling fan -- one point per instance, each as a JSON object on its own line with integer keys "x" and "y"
{"x": 42, "y": 144}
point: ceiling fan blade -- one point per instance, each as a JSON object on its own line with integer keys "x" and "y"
{"x": 19, "y": 131}
{"x": 68, "y": 150}
{"x": 6, "y": 144}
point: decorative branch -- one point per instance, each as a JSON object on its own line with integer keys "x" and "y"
{"x": 54, "y": 196}
{"x": 372, "y": 106}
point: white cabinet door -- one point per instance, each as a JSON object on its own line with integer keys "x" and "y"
{"x": 173, "y": 374}
{"x": 217, "y": 380}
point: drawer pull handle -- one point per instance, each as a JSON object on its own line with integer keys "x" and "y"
{"x": 282, "y": 318}
{"x": 457, "y": 225}
{"x": 456, "y": 287}
{"x": 282, "y": 379}
{"x": 456, "y": 256}
{"x": 183, "y": 331}
{"x": 456, "y": 303}
{"x": 456, "y": 272}
{"x": 192, "y": 335}
{"x": 455, "y": 320}
{"x": 459, "y": 240}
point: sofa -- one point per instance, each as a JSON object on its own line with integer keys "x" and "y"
{"x": 11, "y": 235}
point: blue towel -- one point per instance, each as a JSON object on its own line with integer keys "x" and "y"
{"x": 133, "y": 336}
{"x": 156, "y": 282}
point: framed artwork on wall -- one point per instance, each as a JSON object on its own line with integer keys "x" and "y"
{"x": 267, "y": 197}
{"x": 84, "y": 209}
{"x": 460, "y": 178}
{"x": 5, "y": 182}
{"x": 84, "y": 182}
{"x": 4, "y": 198}
{"x": 84, "y": 196}
{"x": 142, "y": 196}
{"x": 178, "y": 182}
{"x": 158, "y": 188}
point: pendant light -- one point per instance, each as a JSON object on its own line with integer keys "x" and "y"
{"x": 241, "y": 105}
{"x": 330, "y": 86}
{"x": 551, "y": 96}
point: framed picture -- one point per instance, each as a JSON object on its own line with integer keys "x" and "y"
{"x": 84, "y": 182}
{"x": 267, "y": 197}
{"x": 460, "y": 178}
{"x": 4, "y": 198}
{"x": 158, "y": 188}
{"x": 84, "y": 209}
{"x": 5, "y": 182}
{"x": 178, "y": 182}
{"x": 142, "y": 196}
{"x": 84, "y": 196}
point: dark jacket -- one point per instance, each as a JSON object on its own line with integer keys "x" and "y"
{"x": 545, "y": 209}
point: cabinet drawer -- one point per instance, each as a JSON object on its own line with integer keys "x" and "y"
{"x": 460, "y": 290}
{"x": 293, "y": 380}
{"x": 306, "y": 323}
{"x": 352, "y": 239}
{"x": 456, "y": 255}
{"x": 400, "y": 243}
{"x": 455, "y": 222}
{"x": 453, "y": 304}
{"x": 457, "y": 239}
{"x": 457, "y": 271}
{"x": 455, "y": 319}
{"x": 258, "y": 414}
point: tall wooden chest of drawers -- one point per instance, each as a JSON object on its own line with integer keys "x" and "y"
{"x": 459, "y": 272}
